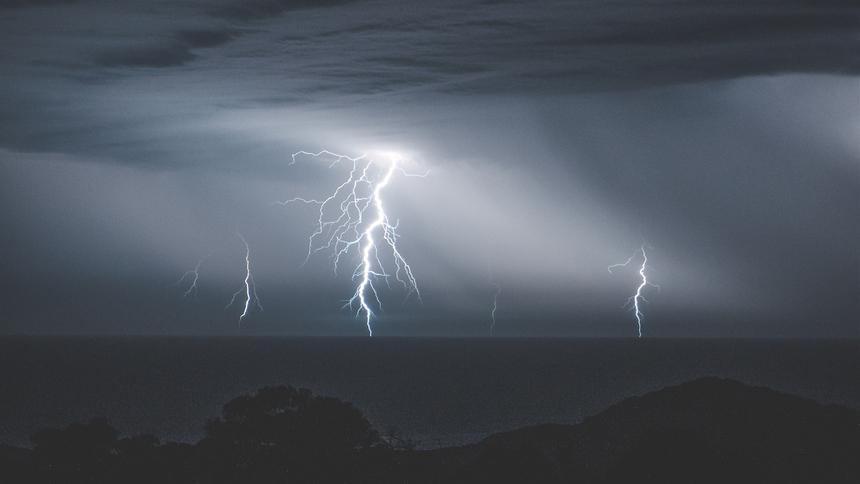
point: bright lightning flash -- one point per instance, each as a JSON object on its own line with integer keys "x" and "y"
{"x": 352, "y": 217}
{"x": 637, "y": 298}
{"x": 248, "y": 287}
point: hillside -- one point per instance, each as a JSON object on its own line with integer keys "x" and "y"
{"x": 703, "y": 431}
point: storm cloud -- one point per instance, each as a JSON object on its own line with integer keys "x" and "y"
{"x": 560, "y": 136}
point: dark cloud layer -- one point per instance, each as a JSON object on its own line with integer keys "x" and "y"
{"x": 168, "y": 55}
{"x": 173, "y": 52}
{"x": 262, "y": 9}
{"x": 555, "y": 45}
{"x": 33, "y": 3}
{"x": 278, "y": 52}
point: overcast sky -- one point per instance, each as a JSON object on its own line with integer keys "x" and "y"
{"x": 139, "y": 136}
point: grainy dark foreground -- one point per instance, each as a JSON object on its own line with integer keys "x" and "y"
{"x": 707, "y": 430}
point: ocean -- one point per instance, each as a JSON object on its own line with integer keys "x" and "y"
{"x": 434, "y": 391}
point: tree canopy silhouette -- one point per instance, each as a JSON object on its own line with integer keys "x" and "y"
{"x": 283, "y": 431}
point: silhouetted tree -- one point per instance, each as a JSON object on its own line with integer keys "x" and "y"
{"x": 283, "y": 433}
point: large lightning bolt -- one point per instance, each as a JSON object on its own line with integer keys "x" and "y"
{"x": 637, "y": 298}
{"x": 351, "y": 218}
{"x": 248, "y": 287}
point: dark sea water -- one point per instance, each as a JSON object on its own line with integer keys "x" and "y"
{"x": 436, "y": 391}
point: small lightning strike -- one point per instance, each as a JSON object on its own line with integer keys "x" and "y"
{"x": 193, "y": 275}
{"x": 351, "y": 217}
{"x": 248, "y": 287}
{"x": 637, "y": 297}
{"x": 496, "y": 293}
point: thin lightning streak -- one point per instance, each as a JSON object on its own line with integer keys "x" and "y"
{"x": 194, "y": 275}
{"x": 342, "y": 226}
{"x": 495, "y": 306}
{"x": 248, "y": 287}
{"x": 623, "y": 264}
{"x": 637, "y": 297}
{"x": 337, "y": 158}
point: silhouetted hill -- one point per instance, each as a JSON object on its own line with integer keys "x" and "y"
{"x": 705, "y": 431}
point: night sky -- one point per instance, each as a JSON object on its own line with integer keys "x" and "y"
{"x": 139, "y": 136}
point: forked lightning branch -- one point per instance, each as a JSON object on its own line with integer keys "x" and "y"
{"x": 353, "y": 221}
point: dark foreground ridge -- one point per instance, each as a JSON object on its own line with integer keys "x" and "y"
{"x": 705, "y": 431}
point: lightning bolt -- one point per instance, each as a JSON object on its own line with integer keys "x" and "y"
{"x": 351, "y": 218}
{"x": 495, "y": 306}
{"x": 637, "y": 298}
{"x": 193, "y": 275}
{"x": 248, "y": 287}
